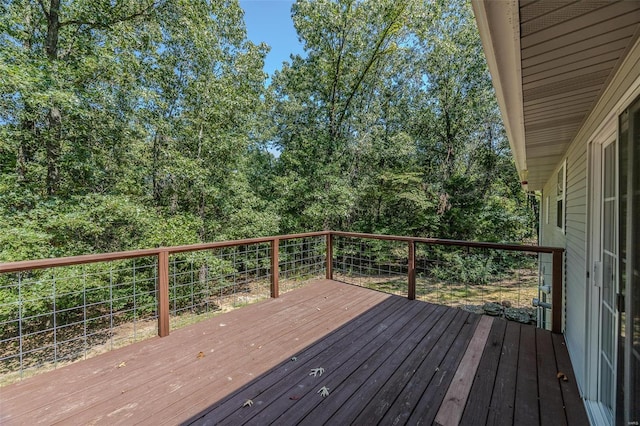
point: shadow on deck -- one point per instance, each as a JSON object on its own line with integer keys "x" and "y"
{"x": 386, "y": 360}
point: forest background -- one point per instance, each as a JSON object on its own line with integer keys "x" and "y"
{"x": 144, "y": 123}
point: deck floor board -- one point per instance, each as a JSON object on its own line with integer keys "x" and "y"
{"x": 574, "y": 409}
{"x": 386, "y": 359}
{"x": 371, "y": 344}
{"x": 360, "y": 387}
{"x": 527, "y": 407}
{"x": 309, "y": 358}
{"x": 503, "y": 396}
{"x": 548, "y": 388}
{"x": 431, "y": 399}
{"x": 485, "y": 379}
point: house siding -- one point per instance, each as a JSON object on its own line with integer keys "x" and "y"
{"x": 573, "y": 239}
{"x": 622, "y": 89}
{"x": 576, "y": 257}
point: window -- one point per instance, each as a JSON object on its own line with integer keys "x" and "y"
{"x": 560, "y": 196}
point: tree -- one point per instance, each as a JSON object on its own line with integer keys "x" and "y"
{"x": 458, "y": 124}
{"x": 389, "y": 124}
{"x": 60, "y": 63}
{"x": 148, "y": 103}
{"x": 202, "y": 107}
{"x": 328, "y": 105}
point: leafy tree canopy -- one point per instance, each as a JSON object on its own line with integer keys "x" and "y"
{"x": 141, "y": 123}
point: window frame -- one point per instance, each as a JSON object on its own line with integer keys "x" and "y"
{"x": 561, "y": 197}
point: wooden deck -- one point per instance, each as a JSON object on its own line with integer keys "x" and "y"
{"x": 386, "y": 360}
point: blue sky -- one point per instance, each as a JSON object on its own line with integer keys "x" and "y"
{"x": 270, "y": 21}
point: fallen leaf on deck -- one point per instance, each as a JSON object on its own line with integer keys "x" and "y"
{"x": 562, "y": 376}
{"x": 122, "y": 364}
{"x": 316, "y": 372}
{"x": 200, "y": 355}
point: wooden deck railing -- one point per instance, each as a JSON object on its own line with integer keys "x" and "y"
{"x": 163, "y": 254}
{"x": 556, "y": 252}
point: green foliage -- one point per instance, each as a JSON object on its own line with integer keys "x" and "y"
{"x": 87, "y": 224}
{"x": 136, "y": 124}
{"x": 387, "y": 124}
{"x": 461, "y": 268}
{"x": 390, "y": 125}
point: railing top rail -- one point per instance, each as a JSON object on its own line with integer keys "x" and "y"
{"x": 25, "y": 265}
{"x": 248, "y": 241}
{"x": 131, "y": 254}
{"x": 104, "y": 257}
{"x": 444, "y": 242}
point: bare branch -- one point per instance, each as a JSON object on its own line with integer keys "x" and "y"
{"x": 372, "y": 60}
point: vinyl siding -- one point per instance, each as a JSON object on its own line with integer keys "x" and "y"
{"x": 574, "y": 242}
{"x": 620, "y": 92}
{"x": 576, "y": 258}
{"x": 551, "y": 235}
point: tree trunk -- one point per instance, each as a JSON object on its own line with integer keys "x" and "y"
{"x": 53, "y": 26}
{"x": 25, "y": 149}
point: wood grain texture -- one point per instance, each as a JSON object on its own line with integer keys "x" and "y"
{"x": 455, "y": 399}
{"x": 386, "y": 358}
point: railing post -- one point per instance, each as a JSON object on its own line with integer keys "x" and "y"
{"x": 411, "y": 273}
{"x": 556, "y": 292}
{"x": 163, "y": 293}
{"x": 329, "y": 259}
{"x": 275, "y": 267}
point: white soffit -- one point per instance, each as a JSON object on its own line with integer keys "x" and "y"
{"x": 499, "y": 27}
{"x": 568, "y": 53}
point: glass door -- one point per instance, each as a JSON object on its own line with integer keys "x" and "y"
{"x": 628, "y": 411}
{"x": 608, "y": 309}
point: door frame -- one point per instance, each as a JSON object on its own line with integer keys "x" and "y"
{"x": 606, "y": 134}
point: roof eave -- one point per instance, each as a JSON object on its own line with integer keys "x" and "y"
{"x": 499, "y": 28}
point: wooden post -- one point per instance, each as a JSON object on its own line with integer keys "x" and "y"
{"x": 556, "y": 292}
{"x": 329, "y": 256}
{"x": 275, "y": 267}
{"x": 411, "y": 273}
{"x": 163, "y": 294}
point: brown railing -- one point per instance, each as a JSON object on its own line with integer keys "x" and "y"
{"x": 164, "y": 283}
{"x": 413, "y": 261}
